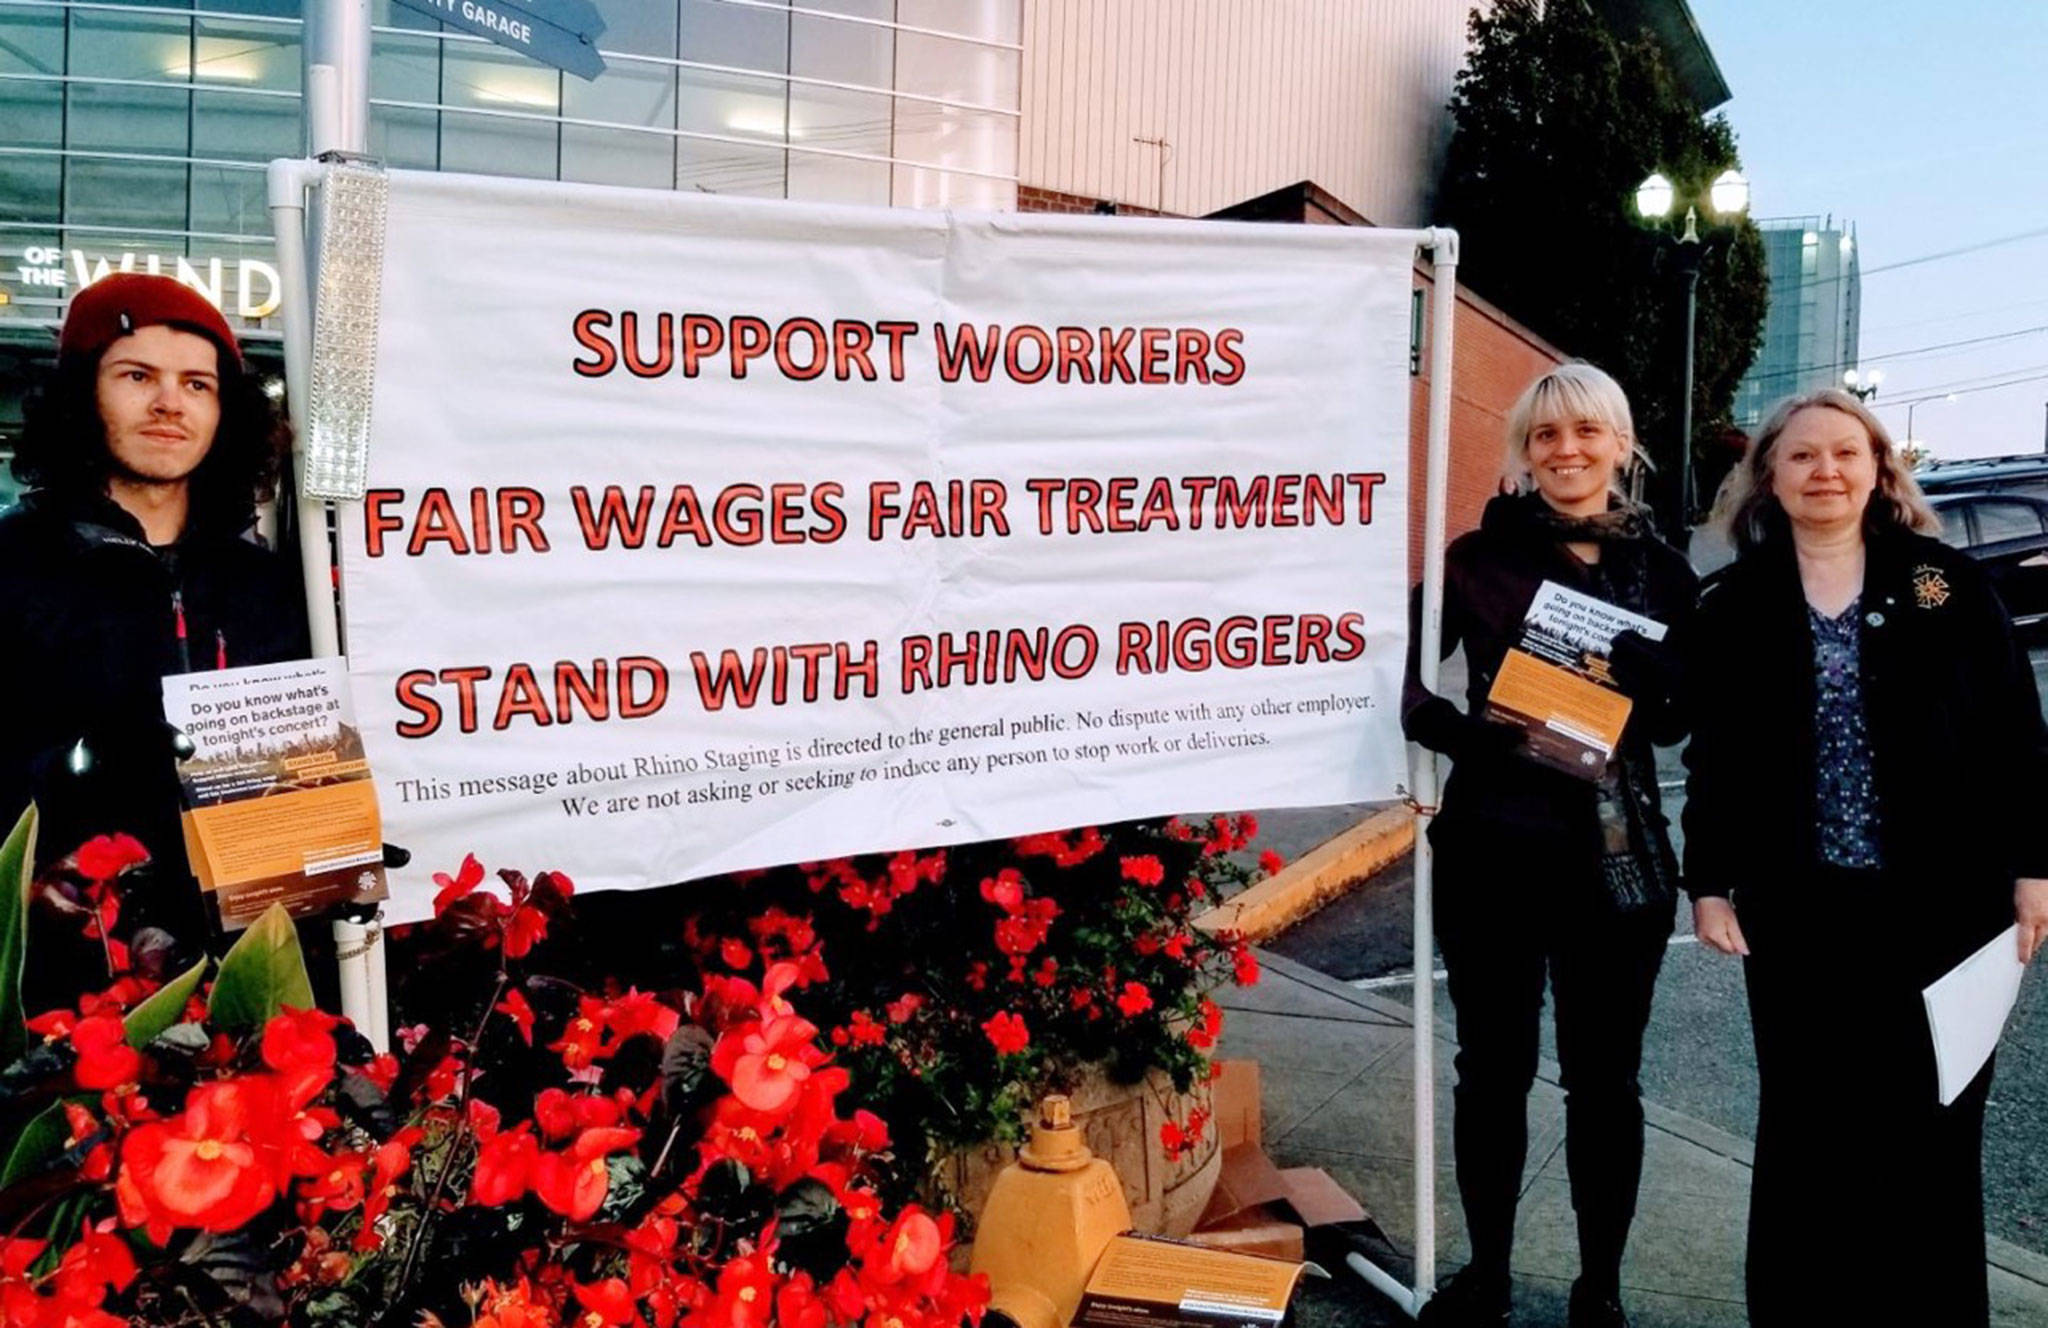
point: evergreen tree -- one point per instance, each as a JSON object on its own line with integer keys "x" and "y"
{"x": 1558, "y": 119}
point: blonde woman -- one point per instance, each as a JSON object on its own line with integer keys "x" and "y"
{"x": 1542, "y": 876}
{"x": 1862, "y": 812}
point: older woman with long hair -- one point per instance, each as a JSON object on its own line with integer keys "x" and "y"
{"x": 1867, "y": 759}
{"x": 1543, "y": 877}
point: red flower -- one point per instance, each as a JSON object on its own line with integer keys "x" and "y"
{"x": 610, "y": 1304}
{"x": 1135, "y": 1000}
{"x": 466, "y": 879}
{"x": 1244, "y": 965}
{"x": 388, "y": 1165}
{"x": 735, "y": 954}
{"x": 336, "y": 1189}
{"x": 1203, "y": 1035}
{"x": 584, "y": 1035}
{"x": 105, "y": 1060}
{"x": 904, "y": 1006}
{"x": 639, "y": 1012}
{"x": 103, "y": 857}
{"x": 863, "y": 1031}
{"x": 1005, "y": 889}
{"x": 299, "y": 1040}
{"x": 515, "y": 1008}
{"x": 199, "y": 1169}
{"x": 913, "y": 1245}
{"x": 574, "y": 1183}
{"x": 525, "y": 928}
{"x": 746, "y": 1295}
{"x": 1271, "y": 862}
{"x": 504, "y": 1167}
{"x": 766, "y": 1063}
{"x": 1007, "y": 1033}
{"x": 1144, "y": 869}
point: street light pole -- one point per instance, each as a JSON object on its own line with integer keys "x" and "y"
{"x": 1689, "y": 256}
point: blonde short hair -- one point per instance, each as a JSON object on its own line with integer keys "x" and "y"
{"x": 1750, "y": 513}
{"x": 1572, "y": 391}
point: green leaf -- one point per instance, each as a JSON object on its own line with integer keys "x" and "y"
{"x": 40, "y": 1143}
{"x": 147, "y": 1021}
{"x": 261, "y": 974}
{"x": 17, "y": 873}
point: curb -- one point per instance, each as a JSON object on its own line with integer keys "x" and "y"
{"x": 1314, "y": 878}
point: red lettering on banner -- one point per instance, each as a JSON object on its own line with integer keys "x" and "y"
{"x": 821, "y": 349}
{"x": 1077, "y": 350}
{"x": 436, "y": 521}
{"x": 737, "y": 524}
{"x": 521, "y": 695}
{"x": 966, "y": 351}
{"x": 1226, "y": 350}
{"x": 703, "y": 337}
{"x": 412, "y": 695}
{"x": 1041, "y": 354}
{"x": 587, "y": 329}
{"x": 375, "y": 520}
{"x": 1191, "y": 355}
{"x": 654, "y": 673}
{"x": 750, "y": 341}
{"x": 573, "y": 688}
{"x": 1153, "y": 352}
{"x": 664, "y": 341}
{"x": 519, "y": 513}
{"x": 1115, "y": 368}
{"x": 611, "y": 520}
{"x": 894, "y": 333}
{"x": 851, "y": 342}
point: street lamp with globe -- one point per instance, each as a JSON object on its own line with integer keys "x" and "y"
{"x": 1657, "y": 198}
{"x": 1863, "y": 386}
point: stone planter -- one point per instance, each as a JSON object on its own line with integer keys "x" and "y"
{"x": 1121, "y": 1123}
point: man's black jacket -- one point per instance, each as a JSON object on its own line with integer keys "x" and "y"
{"x": 90, "y": 614}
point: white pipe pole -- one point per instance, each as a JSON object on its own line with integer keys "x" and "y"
{"x": 1443, "y": 309}
{"x": 337, "y": 54}
{"x": 1443, "y": 246}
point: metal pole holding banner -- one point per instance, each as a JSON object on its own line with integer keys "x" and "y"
{"x": 1443, "y": 246}
{"x": 337, "y": 49}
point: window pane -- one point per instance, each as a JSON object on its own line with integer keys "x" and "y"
{"x": 129, "y": 194}
{"x": 31, "y": 42}
{"x": 508, "y": 85}
{"x": 405, "y": 69}
{"x": 2003, "y": 521}
{"x": 648, "y": 28}
{"x": 844, "y": 52}
{"x": 732, "y": 35}
{"x": 229, "y": 202}
{"x": 28, "y": 192}
{"x": 738, "y": 107}
{"x": 33, "y": 113}
{"x": 842, "y": 122}
{"x": 243, "y": 128}
{"x": 631, "y": 94}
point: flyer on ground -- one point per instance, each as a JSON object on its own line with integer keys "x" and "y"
{"x": 1144, "y": 1280}
{"x": 1555, "y": 685}
{"x": 279, "y": 804}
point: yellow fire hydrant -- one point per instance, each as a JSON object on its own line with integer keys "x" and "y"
{"x": 1048, "y": 1218}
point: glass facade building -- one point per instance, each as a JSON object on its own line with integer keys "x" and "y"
{"x": 1810, "y": 330}
{"x": 135, "y": 134}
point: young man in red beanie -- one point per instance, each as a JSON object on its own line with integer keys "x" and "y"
{"x": 132, "y": 556}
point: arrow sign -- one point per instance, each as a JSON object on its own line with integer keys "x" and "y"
{"x": 577, "y": 16}
{"x": 519, "y": 30}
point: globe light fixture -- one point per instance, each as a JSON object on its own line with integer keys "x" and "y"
{"x": 1862, "y": 386}
{"x": 1655, "y": 196}
{"x": 1729, "y": 194}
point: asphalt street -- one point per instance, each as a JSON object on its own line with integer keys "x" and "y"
{"x": 1697, "y": 1055}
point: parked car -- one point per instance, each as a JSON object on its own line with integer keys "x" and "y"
{"x": 2026, "y": 473}
{"x": 2007, "y": 532}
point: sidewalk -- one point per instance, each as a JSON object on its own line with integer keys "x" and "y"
{"x": 1338, "y": 1082}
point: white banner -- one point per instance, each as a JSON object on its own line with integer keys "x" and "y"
{"x": 709, "y": 533}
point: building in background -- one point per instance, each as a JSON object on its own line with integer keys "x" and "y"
{"x": 135, "y": 135}
{"x": 1810, "y": 332}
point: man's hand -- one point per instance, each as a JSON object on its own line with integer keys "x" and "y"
{"x": 2030, "y": 911}
{"x": 1713, "y": 921}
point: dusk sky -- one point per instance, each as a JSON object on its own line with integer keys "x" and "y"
{"x": 1926, "y": 126}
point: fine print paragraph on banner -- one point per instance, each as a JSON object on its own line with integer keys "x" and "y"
{"x": 705, "y": 534}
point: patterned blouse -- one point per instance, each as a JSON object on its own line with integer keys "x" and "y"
{"x": 1845, "y": 789}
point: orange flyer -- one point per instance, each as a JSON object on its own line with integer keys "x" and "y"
{"x": 279, "y": 805}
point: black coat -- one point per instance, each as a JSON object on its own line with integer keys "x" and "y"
{"x": 87, "y": 609}
{"x": 1491, "y": 576}
{"x": 1959, "y": 751}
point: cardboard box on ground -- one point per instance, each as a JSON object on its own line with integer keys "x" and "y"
{"x": 1259, "y": 1208}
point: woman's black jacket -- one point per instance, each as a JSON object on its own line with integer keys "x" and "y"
{"x": 1959, "y": 751}
{"x": 1490, "y": 576}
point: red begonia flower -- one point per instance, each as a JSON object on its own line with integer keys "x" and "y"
{"x": 104, "y": 857}
{"x": 105, "y": 1060}
{"x": 199, "y": 1169}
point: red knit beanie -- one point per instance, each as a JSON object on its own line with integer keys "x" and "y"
{"x": 122, "y": 302}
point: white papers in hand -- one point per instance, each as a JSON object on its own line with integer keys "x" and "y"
{"x": 1966, "y": 1010}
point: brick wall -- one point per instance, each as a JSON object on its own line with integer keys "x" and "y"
{"x": 1492, "y": 359}
{"x": 1033, "y": 199}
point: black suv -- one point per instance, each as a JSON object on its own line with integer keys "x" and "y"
{"x": 2026, "y": 473}
{"x": 2006, "y": 531}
